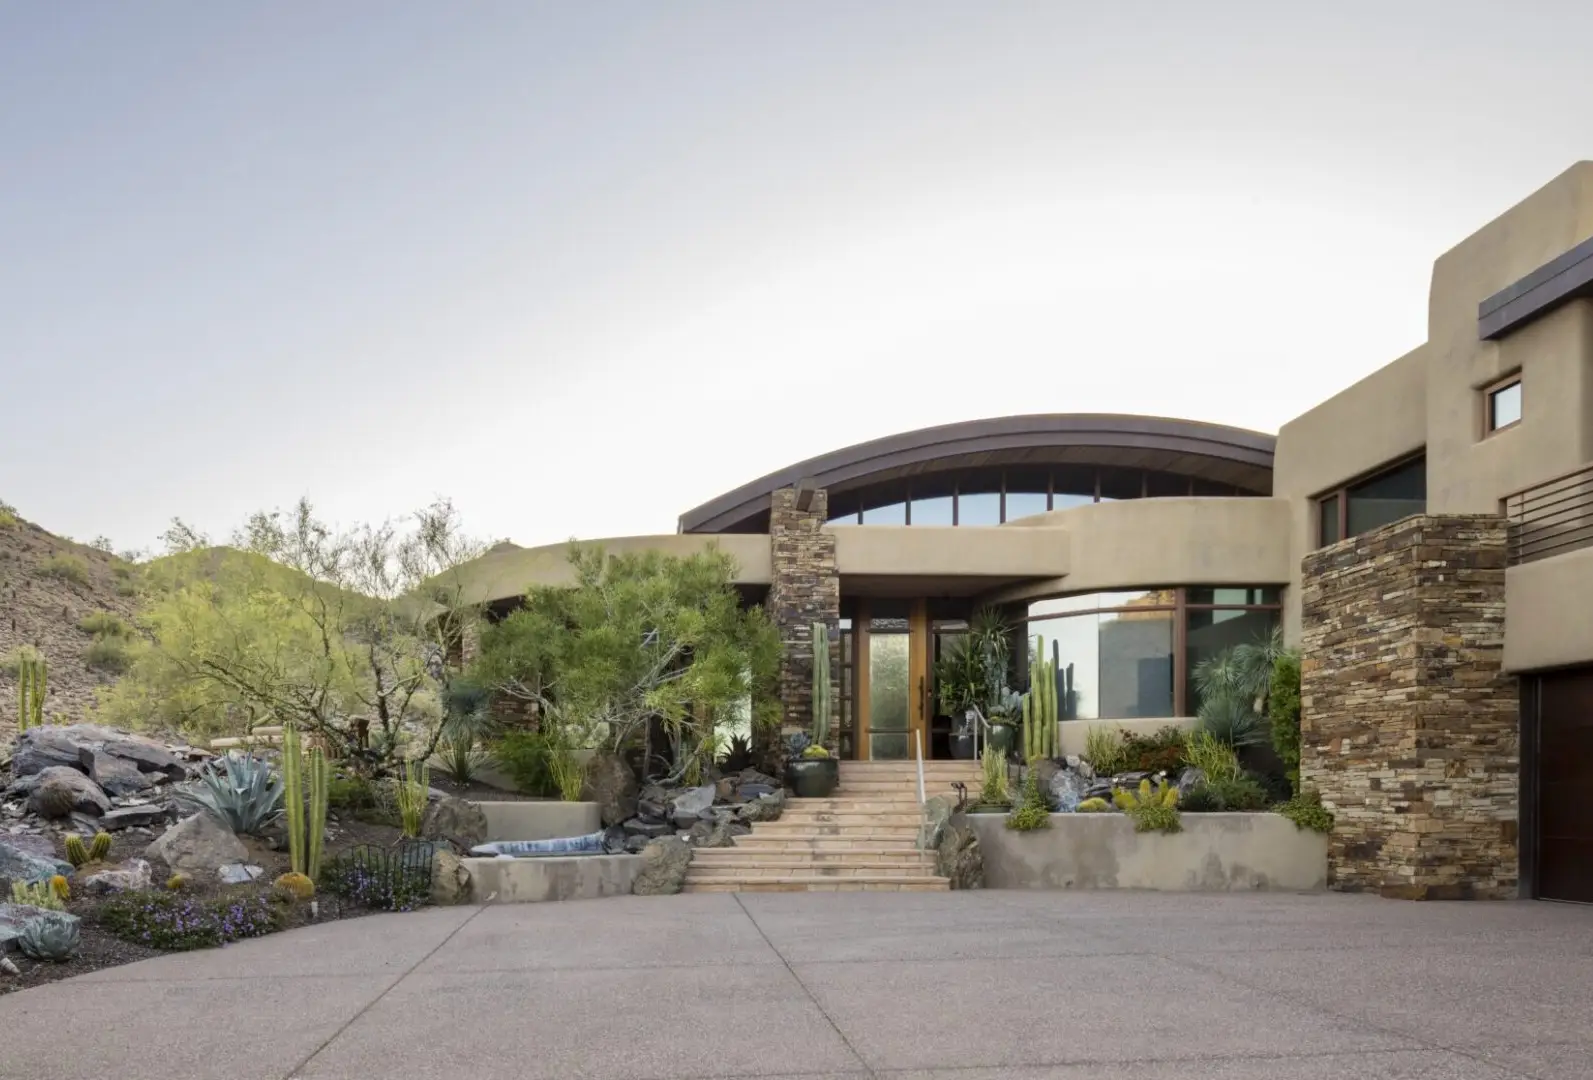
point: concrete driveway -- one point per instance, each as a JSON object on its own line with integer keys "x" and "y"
{"x": 959, "y": 986}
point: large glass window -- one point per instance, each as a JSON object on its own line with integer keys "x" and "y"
{"x": 935, "y": 510}
{"x": 1119, "y": 654}
{"x": 979, "y": 508}
{"x": 1372, "y": 503}
{"x": 891, "y": 514}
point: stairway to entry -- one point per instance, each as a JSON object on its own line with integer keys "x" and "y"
{"x": 864, "y": 837}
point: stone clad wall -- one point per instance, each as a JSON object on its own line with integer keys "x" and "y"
{"x": 804, "y": 588}
{"x": 1409, "y": 725}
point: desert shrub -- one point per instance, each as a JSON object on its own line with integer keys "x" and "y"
{"x": 1103, "y": 749}
{"x": 108, "y": 654}
{"x": 8, "y": 517}
{"x": 65, "y": 568}
{"x": 172, "y": 920}
{"x": 524, "y": 756}
{"x": 1035, "y": 813}
{"x": 1154, "y": 808}
{"x": 1198, "y": 800}
{"x": 350, "y": 793}
{"x": 11, "y": 663}
{"x": 1237, "y": 794}
{"x": 104, "y": 624}
{"x": 382, "y": 879}
{"x": 1307, "y": 812}
{"x": 1161, "y": 750}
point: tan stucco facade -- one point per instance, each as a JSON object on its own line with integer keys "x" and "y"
{"x": 1433, "y": 400}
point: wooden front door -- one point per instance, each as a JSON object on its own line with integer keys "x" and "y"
{"x": 1564, "y": 778}
{"x": 892, "y": 682}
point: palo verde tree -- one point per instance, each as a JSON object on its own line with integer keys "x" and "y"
{"x": 345, "y": 635}
{"x": 634, "y": 637}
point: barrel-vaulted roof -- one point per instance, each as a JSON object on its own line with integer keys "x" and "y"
{"x": 1212, "y": 453}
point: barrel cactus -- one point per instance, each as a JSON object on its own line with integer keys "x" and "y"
{"x": 49, "y": 935}
{"x": 299, "y": 886}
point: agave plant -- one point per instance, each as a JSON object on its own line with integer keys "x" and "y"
{"x": 242, "y": 790}
{"x": 49, "y": 935}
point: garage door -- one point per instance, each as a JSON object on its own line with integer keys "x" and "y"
{"x": 1565, "y": 786}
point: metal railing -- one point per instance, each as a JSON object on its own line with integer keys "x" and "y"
{"x": 1551, "y": 517}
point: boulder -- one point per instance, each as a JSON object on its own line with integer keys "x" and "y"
{"x": 17, "y": 864}
{"x": 764, "y": 808}
{"x": 132, "y": 875}
{"x": 141, "y": 816}
{"x": 612, "y": 785}
{"x": 461, "y": 823}
{"x": 450, "y": 882}
{"x": 714, "y": 834}
{"x": 86, "y": 796}
{"x": 117, "y": 776}
{"x": 650, "y": 829}
{"x": 238, "y": 873}
{"x": 1080, "y": 766}
{"x": 49, "y": 747}
{"x": 1190, "y": 779}
{"x": 693, "y": 801}
{"x": 664, "y": 864}
{"x": 636, "y": 844}
{"x": 957, "y": 857}
{"x": 200, "y": 844}
{"x": 1066, "y": 790}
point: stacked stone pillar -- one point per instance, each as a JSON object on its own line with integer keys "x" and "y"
{"x": 804, "y": 588}
{"x": 1409, "y": 725}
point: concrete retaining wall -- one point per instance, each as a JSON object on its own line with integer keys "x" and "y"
{"x": 557, "y": 877}
{"x": 1214, "y": 853}
{"x": 540, "y": 820}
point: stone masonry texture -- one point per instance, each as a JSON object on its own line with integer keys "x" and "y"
{"x": 1409, "y": 725}
{"x": 805, "y": 588}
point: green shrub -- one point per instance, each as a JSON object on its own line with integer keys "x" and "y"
{"x": 108, "y": 654}
{"x": 65, "y": 568}
{"x": 104, "y": 624}
{"x": 1307, "y": 812}
{"x": 8, "y": 517}
{"x": 11, "y": 663}
{"x": 1156, "y": 819}
{"x": 349, "y": 793}
{"x": 1213, "y": 757}
{"x": 1239, "y": 794}
{"x": 524, "y": 756}
{"x": 1283, "y": 712}
{"x": 1154, "y": 808}
{"x": 1163, "y": 749}
{"x": 172, "y": 920}
{"x": 1035, "y": 813}
{"x": 1094, "y": 806}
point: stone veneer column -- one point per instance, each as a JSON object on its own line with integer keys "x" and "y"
{"x": 804, "y": 588}
{"x": 1409, "y": 726}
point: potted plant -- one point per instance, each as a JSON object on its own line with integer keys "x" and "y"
{"x": 971, "y": 678}
{"x": 812, "y": 772}
{"x": 1003, "y": 731}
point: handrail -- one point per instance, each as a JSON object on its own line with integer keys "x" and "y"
{"x": 918, "y": 739}
{"x": 1550, "y": 517}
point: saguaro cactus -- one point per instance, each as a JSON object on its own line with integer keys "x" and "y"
{"x": 32, "y": 683}
{"x": 1039, "y": 708}
{"x": 821, "y": 683}
{"x": 304, "y": 838}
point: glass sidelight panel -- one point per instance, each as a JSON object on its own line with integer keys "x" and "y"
{"x": 889, "y": 701}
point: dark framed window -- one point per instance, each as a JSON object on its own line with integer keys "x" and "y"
{"x": 1125, "y": 655}
{"x": 1503, "y": 404}
{"x": 1372, "y": 502}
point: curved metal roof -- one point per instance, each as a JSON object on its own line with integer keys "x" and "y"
{"x": 1190, "y": 448}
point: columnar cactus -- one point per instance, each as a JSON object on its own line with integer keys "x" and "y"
{"x": 304, "y": 837}
{"x": 1039, "y": 708}
{"x": 821, "y": 684}
{"x": 32, "y": 683}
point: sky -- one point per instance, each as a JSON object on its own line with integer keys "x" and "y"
{"x": 583, "y": 266}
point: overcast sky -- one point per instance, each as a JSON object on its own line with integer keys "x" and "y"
{"x": 582, "y": 266}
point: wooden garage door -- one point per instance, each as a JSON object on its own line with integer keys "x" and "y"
{"x": 1565, "y": 786}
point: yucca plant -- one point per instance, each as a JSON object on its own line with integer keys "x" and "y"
{"x": 242, "y": 790}
{"x": 459, "y": 759}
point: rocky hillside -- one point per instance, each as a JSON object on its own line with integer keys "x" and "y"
{"x": 47, "y": 586}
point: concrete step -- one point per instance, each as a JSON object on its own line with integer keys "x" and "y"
{"x": 826, "y": 843}
{"x": 863, "y": 830}
{"x": 822, "y": 884}
{"x": 795, "y": 867}
{"x": 759, "y": 856}
{"x": 861, "y": 805}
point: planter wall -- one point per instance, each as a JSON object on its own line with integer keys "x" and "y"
{"x": 1214, "y": 853}
{"x": 549, "y": 820}
{"x": 553, "y": 877}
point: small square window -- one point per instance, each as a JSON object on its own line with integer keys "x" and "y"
{"x": 1504, "y": 406}
{"x": 1328, "y": 521}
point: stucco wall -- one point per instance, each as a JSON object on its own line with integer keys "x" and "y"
{"x": 540, "y": 820}
{"x": 929, "y": 550}
{"x": 1214, "y": 853}
{"x": 556, "y": 877}
{"x": 504, "y": 574}
{"x": 1177, "y": 541}
{"x": 1548, "y": 613}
